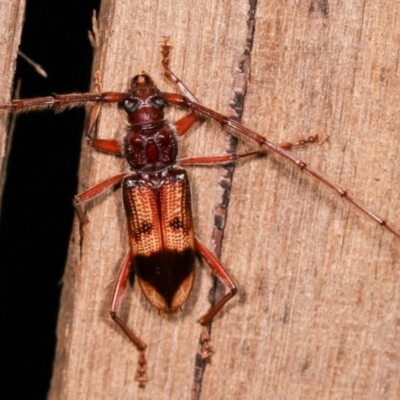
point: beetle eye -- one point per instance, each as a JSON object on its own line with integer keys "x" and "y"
{"x": 131, "y": 105}
{"x": 157, "y": 102}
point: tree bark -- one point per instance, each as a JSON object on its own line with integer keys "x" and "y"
{"x": 11, "y": 19}
{"x": 317, "y": 311}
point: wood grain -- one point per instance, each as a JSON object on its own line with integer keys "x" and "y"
{"x": 11, "y": 19}
{"x": 317, "y": 312}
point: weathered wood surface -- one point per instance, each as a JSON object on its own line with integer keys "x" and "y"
{"x": 11, "y": 19}
{"x": 317, "y": 312}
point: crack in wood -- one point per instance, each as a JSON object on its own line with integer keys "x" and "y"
{"x": 225, "y": 179}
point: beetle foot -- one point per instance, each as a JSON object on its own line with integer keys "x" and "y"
{"x": 141, "y": 372}
{"x": 206, "y": 350}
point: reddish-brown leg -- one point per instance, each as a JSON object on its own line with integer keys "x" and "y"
{"x": 228, "y": 158}
{"x": 111, "y": 146}
{"x": 107, "y": 145}
{"x": 222, "y": 274}
{"x": 93, "y": 192}
{"x": 95, "y": 111}
{"x": 185, "y": 123}
{"x": 215, "y": 160}
{"x": 166, "y": 47}
{"x": 141, "y": 373}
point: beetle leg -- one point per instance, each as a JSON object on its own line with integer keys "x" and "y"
{"x": 222, "y": 274}
{"x": 141, "y": 373}
{"x": 111, "y": 146}
{"x": 185, "y": 123}
{"x": 230, "y": 158}
{"x": 166, "y": 46}
{"x": 206, "y": 350}
{"x": 93, "y": 192}
{"x": 215, "y": 160}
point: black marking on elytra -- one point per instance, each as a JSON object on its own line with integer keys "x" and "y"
{"x": 165, "y": 270}
{"x": 145, "y": 228}
{"x": 177, "y": 224}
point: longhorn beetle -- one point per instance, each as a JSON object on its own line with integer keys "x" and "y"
{"x": 156, "y": 194}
